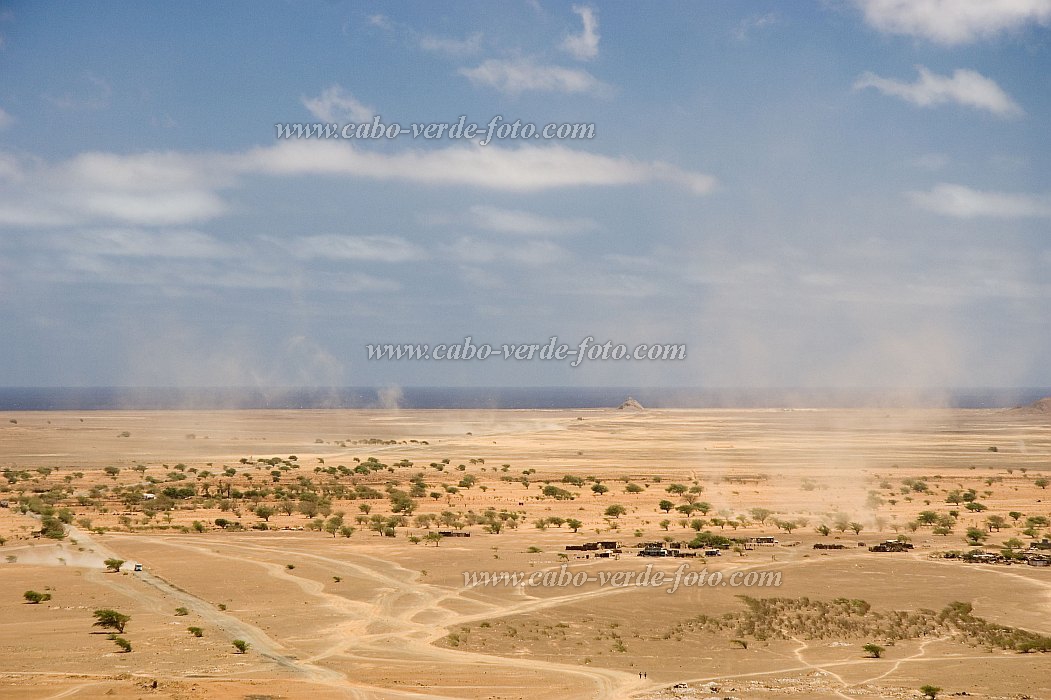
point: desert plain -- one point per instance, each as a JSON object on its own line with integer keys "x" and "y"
{"x": 312, "y": 537}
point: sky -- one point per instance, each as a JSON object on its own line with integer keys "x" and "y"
{"x": 850, "y": 193}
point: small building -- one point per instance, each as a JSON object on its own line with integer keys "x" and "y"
{"x": 763, "y": 541}
{"x": 656, "y": 550}
{"x": 891, "y": 546}
{"x": 453, "y": 533}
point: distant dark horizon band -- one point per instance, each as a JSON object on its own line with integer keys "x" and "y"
{"x": 564, "y": 397}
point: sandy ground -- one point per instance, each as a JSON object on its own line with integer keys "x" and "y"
{"x": 379, "y": 617}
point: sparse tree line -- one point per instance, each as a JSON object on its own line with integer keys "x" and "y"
{"x": 268, "y": 487}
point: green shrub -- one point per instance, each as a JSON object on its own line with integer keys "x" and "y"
{"x": 35, "y": 598}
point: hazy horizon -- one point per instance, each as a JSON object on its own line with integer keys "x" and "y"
{"x": 508, "y": 397}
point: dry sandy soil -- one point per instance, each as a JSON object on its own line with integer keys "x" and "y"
{"x": 370, "y": 616}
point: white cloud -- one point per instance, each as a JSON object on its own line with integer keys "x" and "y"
{"x": 90, "y": 93}
{"x": 149, "y": 188}
{"x": 452, "y": 47}
{"x": 372, "y": 248}
{"x": 584, "y": 46}
{"x": 515, "y": 76}
{"x": 6, "y": 119}
{"x": 139, "y": 243}
{"x": 176, "y": 189}
{"x": 471, "y": 250}
{"x": 524, "y": 222}
{"x": 152, "y": 171}
{"x": 336, "y": 105}
{"x": 965, "y": 203}
{"x": 755, "y": 22}
{"x": 14, "y": 213}
{"x": 954, "y": 21}
{"x": 380, "y": 21}
{"x": 151, "y": 208}
{"x": 965, "y": 87}
{"x": 525, "y": 169}
{"x": 154, "y": 189}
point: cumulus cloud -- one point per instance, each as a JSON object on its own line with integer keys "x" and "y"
{"x": 525, "y": 169}
{"x": 336, "y": 105}
{"x": 954, "y": 21}
{"x": 584, "y": 46}
{"x": 452, "y": 47}
{"x": 515, "y": 76}
{"x": 963, "y": 202}
{"x": 964, "y": 87}
{"x": 153, "y": 189}
{"x": 176, "y": 189}
{"x": 524, "y": 222}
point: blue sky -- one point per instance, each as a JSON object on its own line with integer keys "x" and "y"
{"x": 820, "y": 194}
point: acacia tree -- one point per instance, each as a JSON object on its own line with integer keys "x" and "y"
{"x": 875, "y": 651}
{"x": 995, "y": 522}
{"x": 107, "y": 618}
{"x": 975, "y": 536}
{"x": 761, "y": 514}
